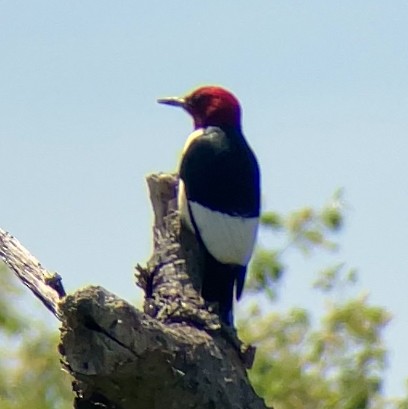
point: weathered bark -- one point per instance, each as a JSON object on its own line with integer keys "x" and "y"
{"x": 174, "y": 354}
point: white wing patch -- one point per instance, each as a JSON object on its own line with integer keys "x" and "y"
{"x": 229, "y": 239}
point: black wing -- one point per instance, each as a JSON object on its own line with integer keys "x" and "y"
{"x": 221, "y": 172}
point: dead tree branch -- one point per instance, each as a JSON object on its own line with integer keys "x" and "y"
{"x": 174, "y": 354}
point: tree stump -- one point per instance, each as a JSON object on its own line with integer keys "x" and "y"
{"x": 174, "y": 354}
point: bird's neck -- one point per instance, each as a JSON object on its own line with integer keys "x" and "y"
{"x": 221, "y": 120}
{"x": 226, "y": 127}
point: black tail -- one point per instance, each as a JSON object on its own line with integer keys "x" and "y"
{"x": 218, "y": 285}
{"x": 219, "y": 279}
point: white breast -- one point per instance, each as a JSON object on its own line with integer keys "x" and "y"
{"x": 183, "y": 205}
{"x": 194, "y": 135}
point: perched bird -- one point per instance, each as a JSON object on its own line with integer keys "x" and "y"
{"x": 219, "y": 192}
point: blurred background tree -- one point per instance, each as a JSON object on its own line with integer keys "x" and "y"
{"x": 30, "y": 372}
{"x": 336, "y": 363}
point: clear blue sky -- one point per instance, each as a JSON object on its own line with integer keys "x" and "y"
{"x": 324, "y": 87}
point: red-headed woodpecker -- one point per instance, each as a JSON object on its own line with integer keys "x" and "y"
{"x": 219, "y": 192}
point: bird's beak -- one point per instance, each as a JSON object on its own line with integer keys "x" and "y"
{"x": 174, "y": 101}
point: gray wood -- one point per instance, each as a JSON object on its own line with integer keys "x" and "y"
{"x": 174, "y": 354}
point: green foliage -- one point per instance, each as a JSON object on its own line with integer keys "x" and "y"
{"x": 10, "y": 321}
{"x": 30, "y": 372}
{"x": 305, "y": 230}
{"x": 265, "y": 272}
{"x": 336, "y": 363}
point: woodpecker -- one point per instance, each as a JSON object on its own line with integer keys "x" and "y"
{"x": 219, "y": 192}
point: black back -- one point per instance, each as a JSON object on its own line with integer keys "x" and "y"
{"x": 221, "y": 172}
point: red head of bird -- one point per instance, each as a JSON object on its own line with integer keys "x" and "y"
{"x": 209, "y": 106}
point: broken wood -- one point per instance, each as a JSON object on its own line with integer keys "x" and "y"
{"x": 174, "y": 354}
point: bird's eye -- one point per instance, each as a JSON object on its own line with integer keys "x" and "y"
{"x": 199, "y": 100}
